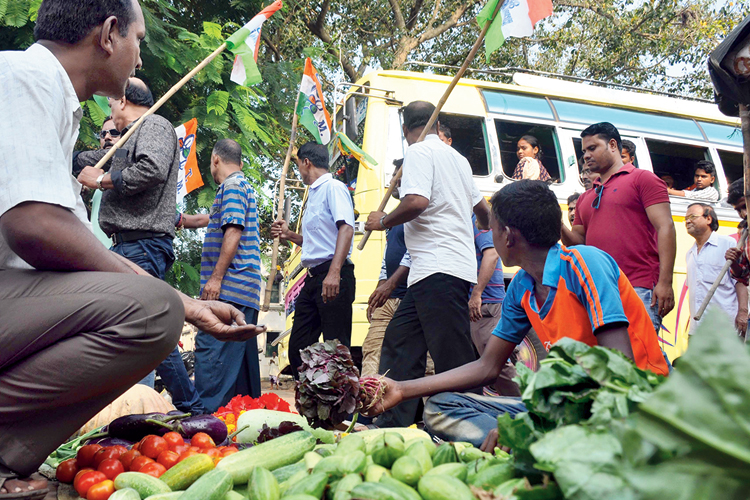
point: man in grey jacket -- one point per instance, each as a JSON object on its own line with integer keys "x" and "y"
{"x": 137, "y": 211}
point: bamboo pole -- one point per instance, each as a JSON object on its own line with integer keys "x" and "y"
{"x": 177, "y": 86}
{"x": 280, "y": 208}
{"x": 397, "y": 176}
{"x": 745, "y": 124}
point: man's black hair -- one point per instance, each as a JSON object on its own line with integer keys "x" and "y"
{"x": 398, "y": 162}
{"x": 316, "y": 153}
{"x": 139, "y": 94}
{"x": 532, "y": 208}
{"x": 573, "y": 197}
{"x": 417, "y": 114}
{"x": 106, "y": 120}
{"x": 628, "y": 146}
{"x": 445, "y": 130}
{"x": 229, "y": 151}
{"x": 69, "y": 21}
{"x": 706, "y": 166}
{"x": 708, "y": 211}
{"x": 736, "y": 191}
{"x": 605, "y": 131}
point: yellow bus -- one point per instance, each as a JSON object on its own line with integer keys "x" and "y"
{"x": 486, "y": 121}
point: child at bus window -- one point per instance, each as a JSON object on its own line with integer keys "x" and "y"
{"x": 628, "y": 152}
{"x": 668, "y": 180}
{"x": 702, "y": 189}
{"x": 530, "y": 166}
{"x": 444, "y": 132}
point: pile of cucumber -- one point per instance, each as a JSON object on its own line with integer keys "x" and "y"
{"x": 367, "y": 466}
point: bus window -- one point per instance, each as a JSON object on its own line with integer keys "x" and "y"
{"x": 509, "y": 133}
{"x": 670, "y": 159}
{"x": 732, "y": 163}
{"x": 469, "y": 139}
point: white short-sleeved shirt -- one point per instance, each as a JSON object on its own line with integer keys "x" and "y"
{"x": 40, "y": 117}
{"x": 328, "y": 202}
{"x": 441, "y": 239}
{"x": 702, "y": 269}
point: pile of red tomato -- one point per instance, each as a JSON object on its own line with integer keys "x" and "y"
{"x": 95, "y": 467}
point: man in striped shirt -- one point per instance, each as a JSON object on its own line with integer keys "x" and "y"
{"x": 230, "y": 272}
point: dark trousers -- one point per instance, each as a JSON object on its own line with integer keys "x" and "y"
{"x": 312, "y": 316}
{"x": 156, "y": 256}
{"x": 434, "y": 316}
{"x": 225, "y": 369}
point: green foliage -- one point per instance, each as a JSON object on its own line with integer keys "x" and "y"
{"x": 16, "y": 13}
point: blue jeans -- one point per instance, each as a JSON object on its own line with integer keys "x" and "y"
{"x": 156, "y": 256}
{"x": 457, "y": 416}
{"x": 225, "y": 369}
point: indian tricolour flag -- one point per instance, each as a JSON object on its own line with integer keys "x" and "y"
{"x": 245, "y": 43}
{"x": 311, "y": 106}
{"x": 516, "y": 18}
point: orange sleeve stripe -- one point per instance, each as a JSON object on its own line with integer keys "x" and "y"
{"x": 588, "y": 287}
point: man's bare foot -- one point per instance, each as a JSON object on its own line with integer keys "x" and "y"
{"x": 35, "y": 482}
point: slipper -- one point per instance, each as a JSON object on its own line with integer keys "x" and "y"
{"x": 8, "y": 475}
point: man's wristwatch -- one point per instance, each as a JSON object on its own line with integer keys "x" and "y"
{"x": 382, "y": 223}
{"x": 99, "y": 182}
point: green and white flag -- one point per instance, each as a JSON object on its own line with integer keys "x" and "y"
{"x": 311, "y": 106}
{"x": 244, "y": 45}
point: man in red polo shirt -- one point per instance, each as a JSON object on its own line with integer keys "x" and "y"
{"x": 627, "y": 215}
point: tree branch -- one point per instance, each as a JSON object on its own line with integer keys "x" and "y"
{"x": 318, "y": 29}
{"x": 271, "y": 46}
{"x": 594, "y": 9}
{"x": 414, "y": 14}
{"x": 400, "y": 23}
{"x": 457, "y": 14}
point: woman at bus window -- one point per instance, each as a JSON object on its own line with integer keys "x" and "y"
{"x": 530, "y": 160}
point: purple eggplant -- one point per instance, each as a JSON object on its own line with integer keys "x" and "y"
{"x": 111, "y": 441}
{"x": 135, "y": 427}
{"x": 189, "y": 427}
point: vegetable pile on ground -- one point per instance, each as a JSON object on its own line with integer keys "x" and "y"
{"x": 329, "y": 388}
{"x": 239, "y": 404}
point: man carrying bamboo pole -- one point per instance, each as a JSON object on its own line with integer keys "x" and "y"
{"x": 79, "y": 324}
{"x": 438, "y": 195}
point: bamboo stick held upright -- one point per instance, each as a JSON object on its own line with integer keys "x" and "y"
{"x": 435, "y": 114}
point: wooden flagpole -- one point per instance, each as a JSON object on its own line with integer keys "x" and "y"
{"x": 745, "y": 124}
{"x": 280, "y": 208}
{"x": 177, "y": 86}
{"x": 435, "y": 114}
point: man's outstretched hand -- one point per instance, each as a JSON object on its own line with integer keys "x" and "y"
{"x": 221, "y": 320}
{"x": 391, "y": 397}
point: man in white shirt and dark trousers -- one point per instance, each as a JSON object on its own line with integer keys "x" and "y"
{"x": 704, "y": 262}
{"x": 437, "y": 197}
{"x": 325, "y": 302}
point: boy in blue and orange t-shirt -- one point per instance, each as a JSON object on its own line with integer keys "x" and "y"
{"x": 577, "y": 292}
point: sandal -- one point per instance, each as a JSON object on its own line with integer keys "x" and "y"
{"x": 7, "y": 475}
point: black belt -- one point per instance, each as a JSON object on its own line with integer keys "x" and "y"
{"x": 127, "y": 236}
{"x": 325, "y": 266}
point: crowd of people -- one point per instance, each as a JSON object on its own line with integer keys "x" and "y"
{"x": 82, "y": 322}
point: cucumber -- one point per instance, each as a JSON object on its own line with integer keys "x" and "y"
{"x": 376, "y": 491}
{"x": 428, "y": 445}
{"x": 406, "y": 491}
{"x": 242, "y": 489}
{"x": 283, "y": 473}
{"x": 144, "y": 484}
{"x": 374, "y": 471}
{"x": 421, "y": 454}
{"x": 185, "y": 473}
{"x": 354, "y": 462}
{"x": 332, "y": 466}
{"x": 407, "y": 470}
{"x": 325, "y": 450}
{"x": 387, "y": 449}
{"x": 125, "y": 494}
{"x": 434, "y": 487}
{"x": 451, "y": 469}
{"x": 312, "y": 458}
{"x": 509, "y": 487}
{"x": 475, "y": 467}
{"x": 344, "y": 487}
{"x": 493, "y": 476}
{"x": 314, "y": 485}
{"x": 297, "y": 477}
{"x": 283, "y": 450}
{"x": 299, "y": 497}
{"x": 350, "y": 443}
{"x": 233, "y": 495}
{"x": 331, "y": 489}
{"x": 213, "y": 485}
{"x": 173, "y": 495}
{"x": 444, "y": 454}
{"x": 408, "y": 433}
{"x": 263, "y": 485}
{"x": 469, "y": 454}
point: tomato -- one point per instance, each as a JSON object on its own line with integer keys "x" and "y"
{"x": 119, "y": 448}
{"x": 196, "y": 449}
{"x": 86, "y": 481}
{"x": 67, "y": 470}
{"x": 202, "y": 440}
{"x": 228, "y": 451}
{"x": 127, "y": 457}
{"x": 104, "y": 454}
{"x": 81, "y": 473}
{"x": 173, "y": 439}
{"x": 186, "y": 454}
{"x": 111, "y": 468}
{"x": 101, "y": 491}
{"x": 168, "y": 458}
{"x": 85, "y": 455}
{"x": 181, "y": 448}
{"x": 152, "y": 446}
{"x": 139, "y": 462}
{"x": 212, "y": 452}
{"x": 153, "y": 469}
